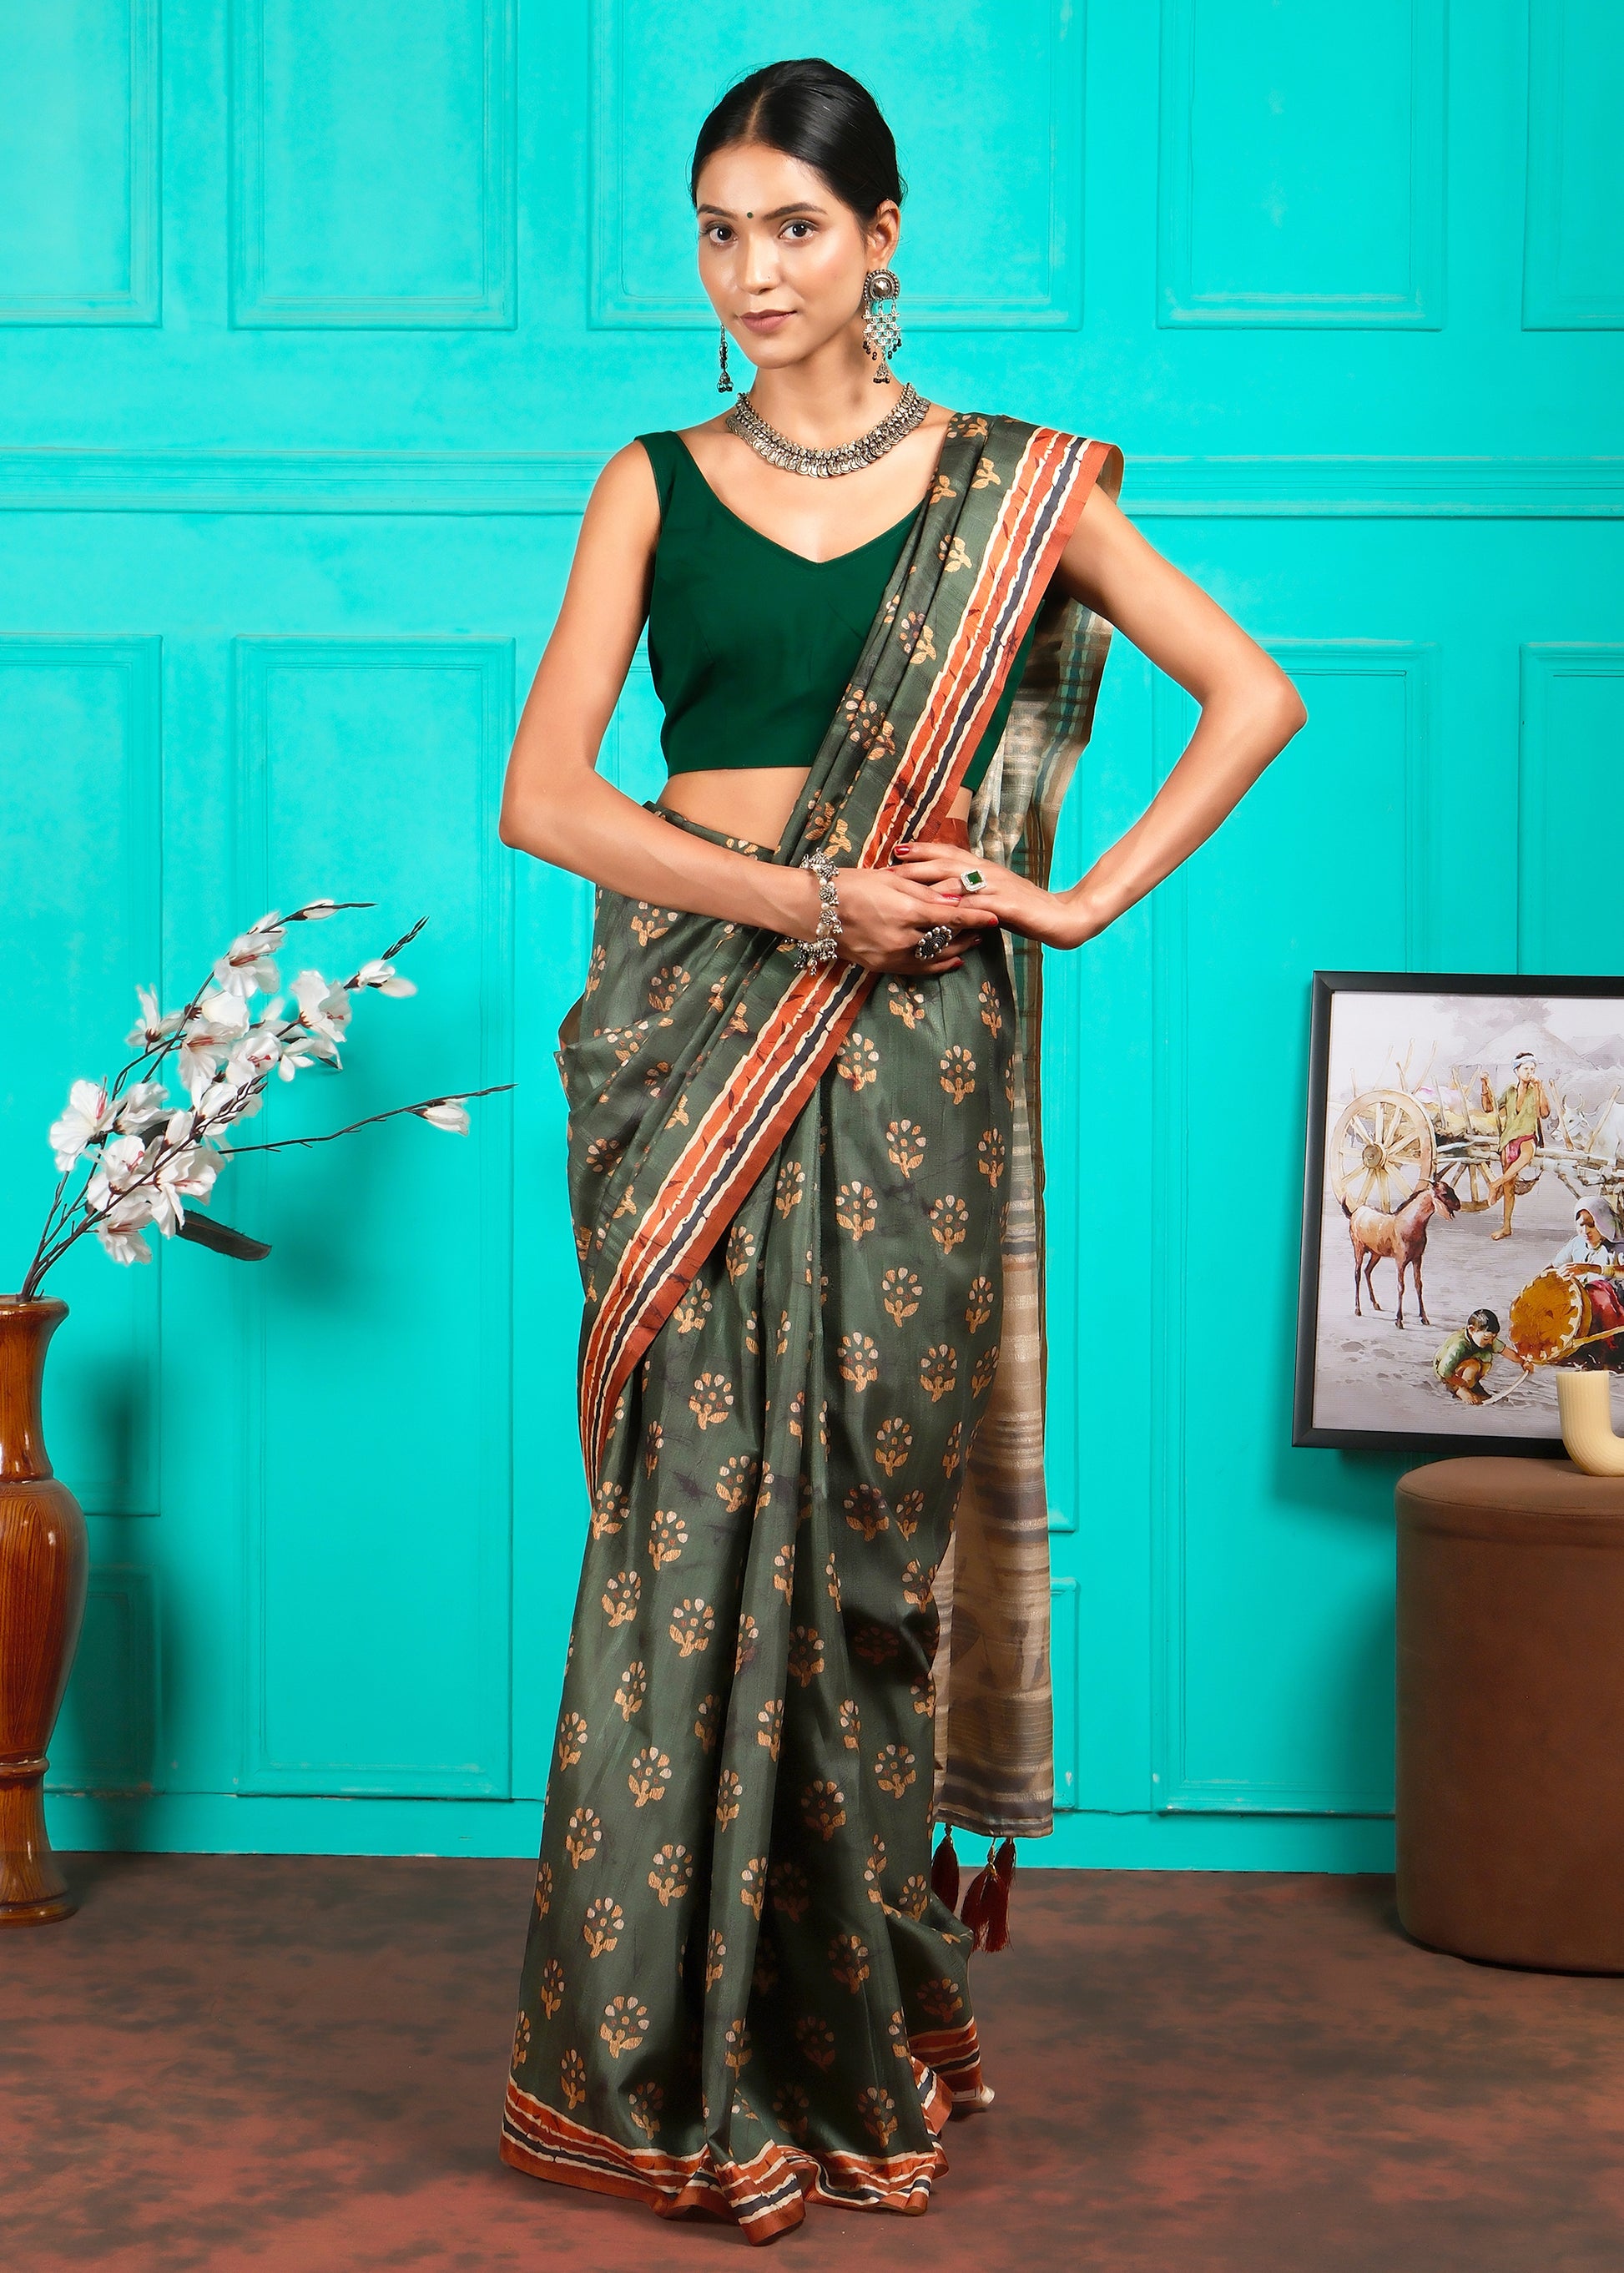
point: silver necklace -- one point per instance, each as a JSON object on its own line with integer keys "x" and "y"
{"x": 844, "y": 457}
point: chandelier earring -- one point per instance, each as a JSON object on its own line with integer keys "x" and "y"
{"x": 724, "y": 384}
{"x": 882, "y": 332}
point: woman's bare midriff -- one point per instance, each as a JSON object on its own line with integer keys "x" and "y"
{"x": 753, "y": 802}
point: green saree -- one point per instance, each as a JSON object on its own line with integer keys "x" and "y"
{"x": 807, "y": 1209}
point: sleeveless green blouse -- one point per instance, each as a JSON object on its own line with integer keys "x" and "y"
{"x": 751, "y": 644}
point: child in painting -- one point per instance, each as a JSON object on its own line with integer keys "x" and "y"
{"x": 1465, "y": 1358}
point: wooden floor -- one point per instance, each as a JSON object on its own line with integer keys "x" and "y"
{"x": 297, "y": 2063}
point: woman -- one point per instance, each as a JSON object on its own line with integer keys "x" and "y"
{"x": 1594, "y": 1243}
{"x": 801, "y": 1081}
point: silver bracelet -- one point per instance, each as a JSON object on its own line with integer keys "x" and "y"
{"x": 810, "y": 953}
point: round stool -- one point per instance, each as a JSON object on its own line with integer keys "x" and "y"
{"x": 1510, "y": 1798}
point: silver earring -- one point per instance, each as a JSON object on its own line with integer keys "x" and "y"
{"x": 882, "y": 332}
{"x": 724, "y": 384}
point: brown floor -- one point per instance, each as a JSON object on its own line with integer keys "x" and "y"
{"x": 292, "y": 2063}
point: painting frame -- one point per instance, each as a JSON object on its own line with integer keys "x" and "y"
{"x": 1325, "y": 987}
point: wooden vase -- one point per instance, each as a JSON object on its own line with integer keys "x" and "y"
{"x": 44, "y": 1562}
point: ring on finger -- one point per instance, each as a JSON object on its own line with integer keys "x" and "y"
{"x": 932, "y": 942}
{"x": 971, "y": 880}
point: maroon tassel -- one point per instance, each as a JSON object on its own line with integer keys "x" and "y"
{"x": 973, "y": 1911}
{"x": 995, "y": 1906}
{"x": 945, "y": 1869}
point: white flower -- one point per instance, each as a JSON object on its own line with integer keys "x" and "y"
{"x": 141, "y": 1104}
{"x": 120, "y": 1230}
{"x": 323, "y": 1008}
{"x": 246, "y": 968}
{"x": 446, "y": 1113}
{"x": 226, "y": 1101}
{"x": 256, "y": 1054}
{"x": 376, "y": 972}
{"x": 89, "y": 1114}
{"x": 300, "y": 1047}
{"x": 219, "y": 1020}
{"x": 154, "y": 1026}
{"x": 122, "y": 1160}
{"x": 188, "y": 1174}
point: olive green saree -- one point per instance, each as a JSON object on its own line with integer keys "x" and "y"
{"x": 807, "y": 1209}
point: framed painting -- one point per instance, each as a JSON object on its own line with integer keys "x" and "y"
{"x": 1465, "y": 1146}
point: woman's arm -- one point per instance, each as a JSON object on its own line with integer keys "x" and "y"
{"x": 1249, "y": 710}
{"x": 556, "y": 805}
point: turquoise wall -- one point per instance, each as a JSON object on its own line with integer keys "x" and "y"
{"x": 315, "y": 323}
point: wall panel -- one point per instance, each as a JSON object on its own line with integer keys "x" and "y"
{"x": 1302, "y": 160}
{"x": 80, "y": 162}
{"x": 373, "y": 158}
{"x": 378, "y": 1579}
{"x": 1573, "y": 277}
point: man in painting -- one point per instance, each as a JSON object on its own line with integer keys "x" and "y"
{"x": 1519, "y": 1110}
{"x": 1464, "y": 1360}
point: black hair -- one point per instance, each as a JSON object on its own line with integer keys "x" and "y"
{"x": 1482, "y": 1319}
{"x": 811, "y": 110}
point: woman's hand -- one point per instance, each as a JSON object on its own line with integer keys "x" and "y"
{"x": 885, "y": 914}
{"x": 1057, "y": 919}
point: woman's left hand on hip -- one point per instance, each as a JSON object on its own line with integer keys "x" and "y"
{"x": 1019, "y": 904}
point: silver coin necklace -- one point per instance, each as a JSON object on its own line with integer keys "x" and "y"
{"x": 746, "y": 423}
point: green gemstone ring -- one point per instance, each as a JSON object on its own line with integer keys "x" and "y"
{"x": 972, "y": 880}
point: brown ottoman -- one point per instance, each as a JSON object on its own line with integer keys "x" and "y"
{"x": 1511, "y": 1712}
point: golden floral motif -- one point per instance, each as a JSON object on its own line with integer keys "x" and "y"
{"x": 816, "y": 2040}
{"x": 949, "y": 1222}
{"x": 708, "y": 1720}
{"x": 859, "y": 1360}
{"x": 715, "y": 1958}
{"x": 572, "y": 2077}
{"x": 823, "y": 1806}
{"x": 978, "y": 1307}
{"x": 916, "y": 1584}
{"x": 791, "y": 1892}
{"x": 729, "y": 1792}
{"x": 783, "y": 1569}
{"x": 789, "y": 1187}
{"x": 992, "y": 1010}
{"x": 736, "y": 1481}
{"x": 939, "y": 1371}
{"x": 602, "y": 1926}
{"x": 712, "y": 1399}
{"x": 736, "y": 2046}
{"x": 625, "y": 2024}
{"x": 544, "y": 1890}
{"x": 848, "y": 1961}
{"x": 608, "y": 1509}
{"x": 986, "y": 475}
{"x": 990, "y": 1159}
{"x": 954, "y": 554}
{"x": 850, "y": 1724}
{"x": 855, "y": 1211}
{"x": 695, "y": 1308}
{"x": 753, "y": 1884}
{"x": 986, "y": 1367}
{"x": 651, "y": 922}
{"x": 693, "y": 1623}
{"x": 620, "y": 1597}
{"x": 905, "y": 1002}
{"x": 604, "y": 1153}
{"x": 866, "y": 1510}
{"x": 958, "y": 1072}
{"x": 550, "y": 1987}
{"x": 643, "y": 2103}
{"x": 805, "y": 1654}
{"x": 653, "y": 1444}
{"x": 740, "y": 1252}
{"x": 770, "y": 1726}
{"x": 667, "y": 1537}
{"x": 940, "y": 1998}
{"x": 894, "y": 1768}
{"x": 831, "y": 1580}
{"x": 858, "y": 1063}
{"x": 923, "y": 1691}
{"x": 583, "y": 1836}
{"x": 571, "y": 1737}
{"x": 669, "y": 983}
{"x": 914, "y": 1895}
{"x": 648, "y": 1774}
{"x": 521, "y": 2040}
{"x": 634, "y": 1687}
{"x": 878, "y": 2111}
{"x": 952, "y": 1449}
{"x": 900, "y": 1294}
{"x": 904, "y": 1144}
{"x": 893, "y": 1441}
{"x": 672, "y": 1874}
{"x": 748, "y": 1643}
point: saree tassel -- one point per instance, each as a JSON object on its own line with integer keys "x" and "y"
{"x": 973, "y": 1909}
{"x": 945, "y": 1869}
{"x": 995, "y": 1905}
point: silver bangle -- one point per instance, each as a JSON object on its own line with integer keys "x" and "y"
{"x": 810, "y": 953}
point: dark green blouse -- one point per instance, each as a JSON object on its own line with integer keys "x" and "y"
{"x": 751, "y": 644}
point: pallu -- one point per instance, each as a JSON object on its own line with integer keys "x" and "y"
{"x": 813, "y": 1607}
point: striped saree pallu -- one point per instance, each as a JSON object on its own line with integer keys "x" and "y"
{"x": 792, "y": 1198}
